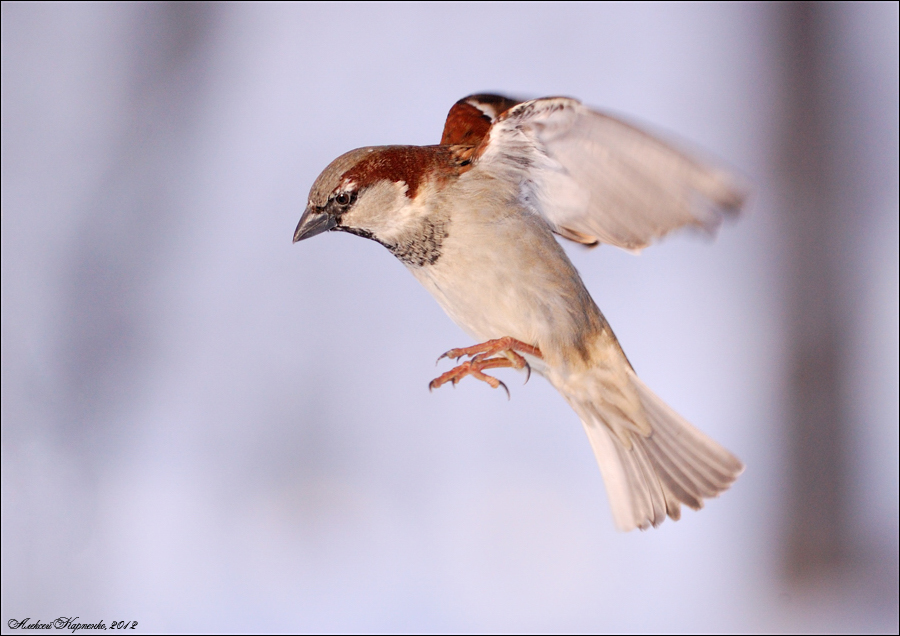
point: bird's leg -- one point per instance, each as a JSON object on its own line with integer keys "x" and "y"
{"x": 507, "y": 347}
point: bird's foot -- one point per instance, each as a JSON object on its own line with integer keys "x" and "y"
{"x": 508, "y": 349}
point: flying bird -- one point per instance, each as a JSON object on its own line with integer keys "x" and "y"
{"x": 474, "y": 217}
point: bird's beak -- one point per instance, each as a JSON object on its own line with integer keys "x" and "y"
{"x": 313, "y": 222}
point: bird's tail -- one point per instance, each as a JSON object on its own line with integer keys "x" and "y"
{"x": 651, "y": 458}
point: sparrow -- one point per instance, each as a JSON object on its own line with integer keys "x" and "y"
{"x": 474, "y": 218}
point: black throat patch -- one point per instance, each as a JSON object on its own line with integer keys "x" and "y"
{"x": 422, "y": 246}
{"x": 418, "y": 247}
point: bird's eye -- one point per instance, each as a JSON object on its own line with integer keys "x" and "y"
{"x": 343, "y": 199}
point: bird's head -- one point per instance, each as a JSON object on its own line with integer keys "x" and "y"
{"x": 379, "y": 193}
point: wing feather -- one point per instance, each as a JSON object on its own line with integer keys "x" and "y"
{"x": 597, "y": 178}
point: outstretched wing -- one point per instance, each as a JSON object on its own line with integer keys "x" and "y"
{"x": 598, "y": 179}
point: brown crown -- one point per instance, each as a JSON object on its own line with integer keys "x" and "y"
{"x": 413, "y": 165}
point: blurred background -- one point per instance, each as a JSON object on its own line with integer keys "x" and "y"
{"x": 205, "y": 427}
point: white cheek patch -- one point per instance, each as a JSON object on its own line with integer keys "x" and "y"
{"x": 382, "y": 209}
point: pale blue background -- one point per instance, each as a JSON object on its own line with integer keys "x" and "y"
{"x": 208, "y": 428}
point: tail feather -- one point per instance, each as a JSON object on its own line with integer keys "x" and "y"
{"x": 626, "y": 472}
{"x": 704, "y": 477}
{"x": 654, "y": 486}
{"x": 682, "y": 487}
{"x": 672, "y": 465}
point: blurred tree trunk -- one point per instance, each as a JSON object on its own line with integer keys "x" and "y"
{"x": 816, "y": 519}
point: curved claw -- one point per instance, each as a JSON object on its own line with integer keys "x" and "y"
{"x": 452, "y": 353}
{"x": 481, "y": 359}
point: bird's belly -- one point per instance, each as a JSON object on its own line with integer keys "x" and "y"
{"x": 485, "y": 305}
{"x": 512, "y": 279}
